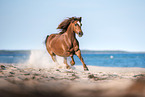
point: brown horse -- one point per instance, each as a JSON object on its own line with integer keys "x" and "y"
{"x": 65, "y": 43}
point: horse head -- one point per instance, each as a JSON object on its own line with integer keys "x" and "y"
{"x": 76, "y": 23}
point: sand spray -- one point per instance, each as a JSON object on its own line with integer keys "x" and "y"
{"x": 41, "y": 59}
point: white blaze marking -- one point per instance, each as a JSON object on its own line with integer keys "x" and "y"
{"x": 79, "y": 23}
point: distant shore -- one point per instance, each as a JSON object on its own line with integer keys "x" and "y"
{"x": 58, "y": 81}
{"x": 83, "y": 51}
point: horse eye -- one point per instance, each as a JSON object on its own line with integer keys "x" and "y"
{"x": 75, "y": 24}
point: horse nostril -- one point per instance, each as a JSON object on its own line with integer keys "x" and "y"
{"x": 80, "y": 33}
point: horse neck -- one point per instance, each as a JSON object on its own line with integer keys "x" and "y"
{"x": 70, "y": 33}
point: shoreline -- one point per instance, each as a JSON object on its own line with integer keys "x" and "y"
{"x": 58, "y": 81}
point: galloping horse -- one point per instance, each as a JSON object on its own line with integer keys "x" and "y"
{"x": 65, "y": 43}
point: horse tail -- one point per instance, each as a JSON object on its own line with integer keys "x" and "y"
{"x": 46, "y": 39}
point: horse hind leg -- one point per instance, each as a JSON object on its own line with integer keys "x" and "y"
{"x": 65, "y": 62}
{"x": 53, "y": 56}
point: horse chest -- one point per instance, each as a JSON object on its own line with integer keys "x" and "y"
{"x": 73, "y": 47}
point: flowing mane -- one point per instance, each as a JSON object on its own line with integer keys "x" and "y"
{"x": 65, "y": 23}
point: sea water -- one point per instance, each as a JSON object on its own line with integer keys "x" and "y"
{"x": 17, "y": 56}
{"x": 114, "y": 60}
{"x": 93, "y": 58}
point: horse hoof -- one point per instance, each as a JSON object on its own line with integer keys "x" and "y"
{"x": 68, "y": 67}
{"x": 72, "y": 63}
{"x": 86, "y": 69}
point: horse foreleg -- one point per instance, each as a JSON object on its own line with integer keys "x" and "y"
{"x": 78, "y": 53}
{"x": 72, "y": 62}
{"x": 65, "y": 62}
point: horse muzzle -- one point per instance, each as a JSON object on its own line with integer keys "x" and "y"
{"x": 80, "y": 34}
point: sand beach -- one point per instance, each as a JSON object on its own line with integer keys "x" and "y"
{"x": 60, "y": 82}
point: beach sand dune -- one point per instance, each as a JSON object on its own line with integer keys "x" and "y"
{"x": 61, "y": 82}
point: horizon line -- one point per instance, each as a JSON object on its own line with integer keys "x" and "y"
{"x": 80, "y": 49}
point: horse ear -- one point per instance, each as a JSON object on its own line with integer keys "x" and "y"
{"x": 80, "y": 19}
{"x": 73, "y": 19}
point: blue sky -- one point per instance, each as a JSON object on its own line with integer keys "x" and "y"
{"x": 107, "y": 24}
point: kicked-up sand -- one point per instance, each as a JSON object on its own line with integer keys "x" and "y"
{"x": 61, "y": 82}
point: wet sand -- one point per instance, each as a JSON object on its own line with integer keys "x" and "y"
{"x": 60, "y": 82}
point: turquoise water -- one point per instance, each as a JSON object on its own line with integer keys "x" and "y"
{"x": 95, "y": 58}
{"x": 14, "y": 56}
{"x": 114, "y": 60}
